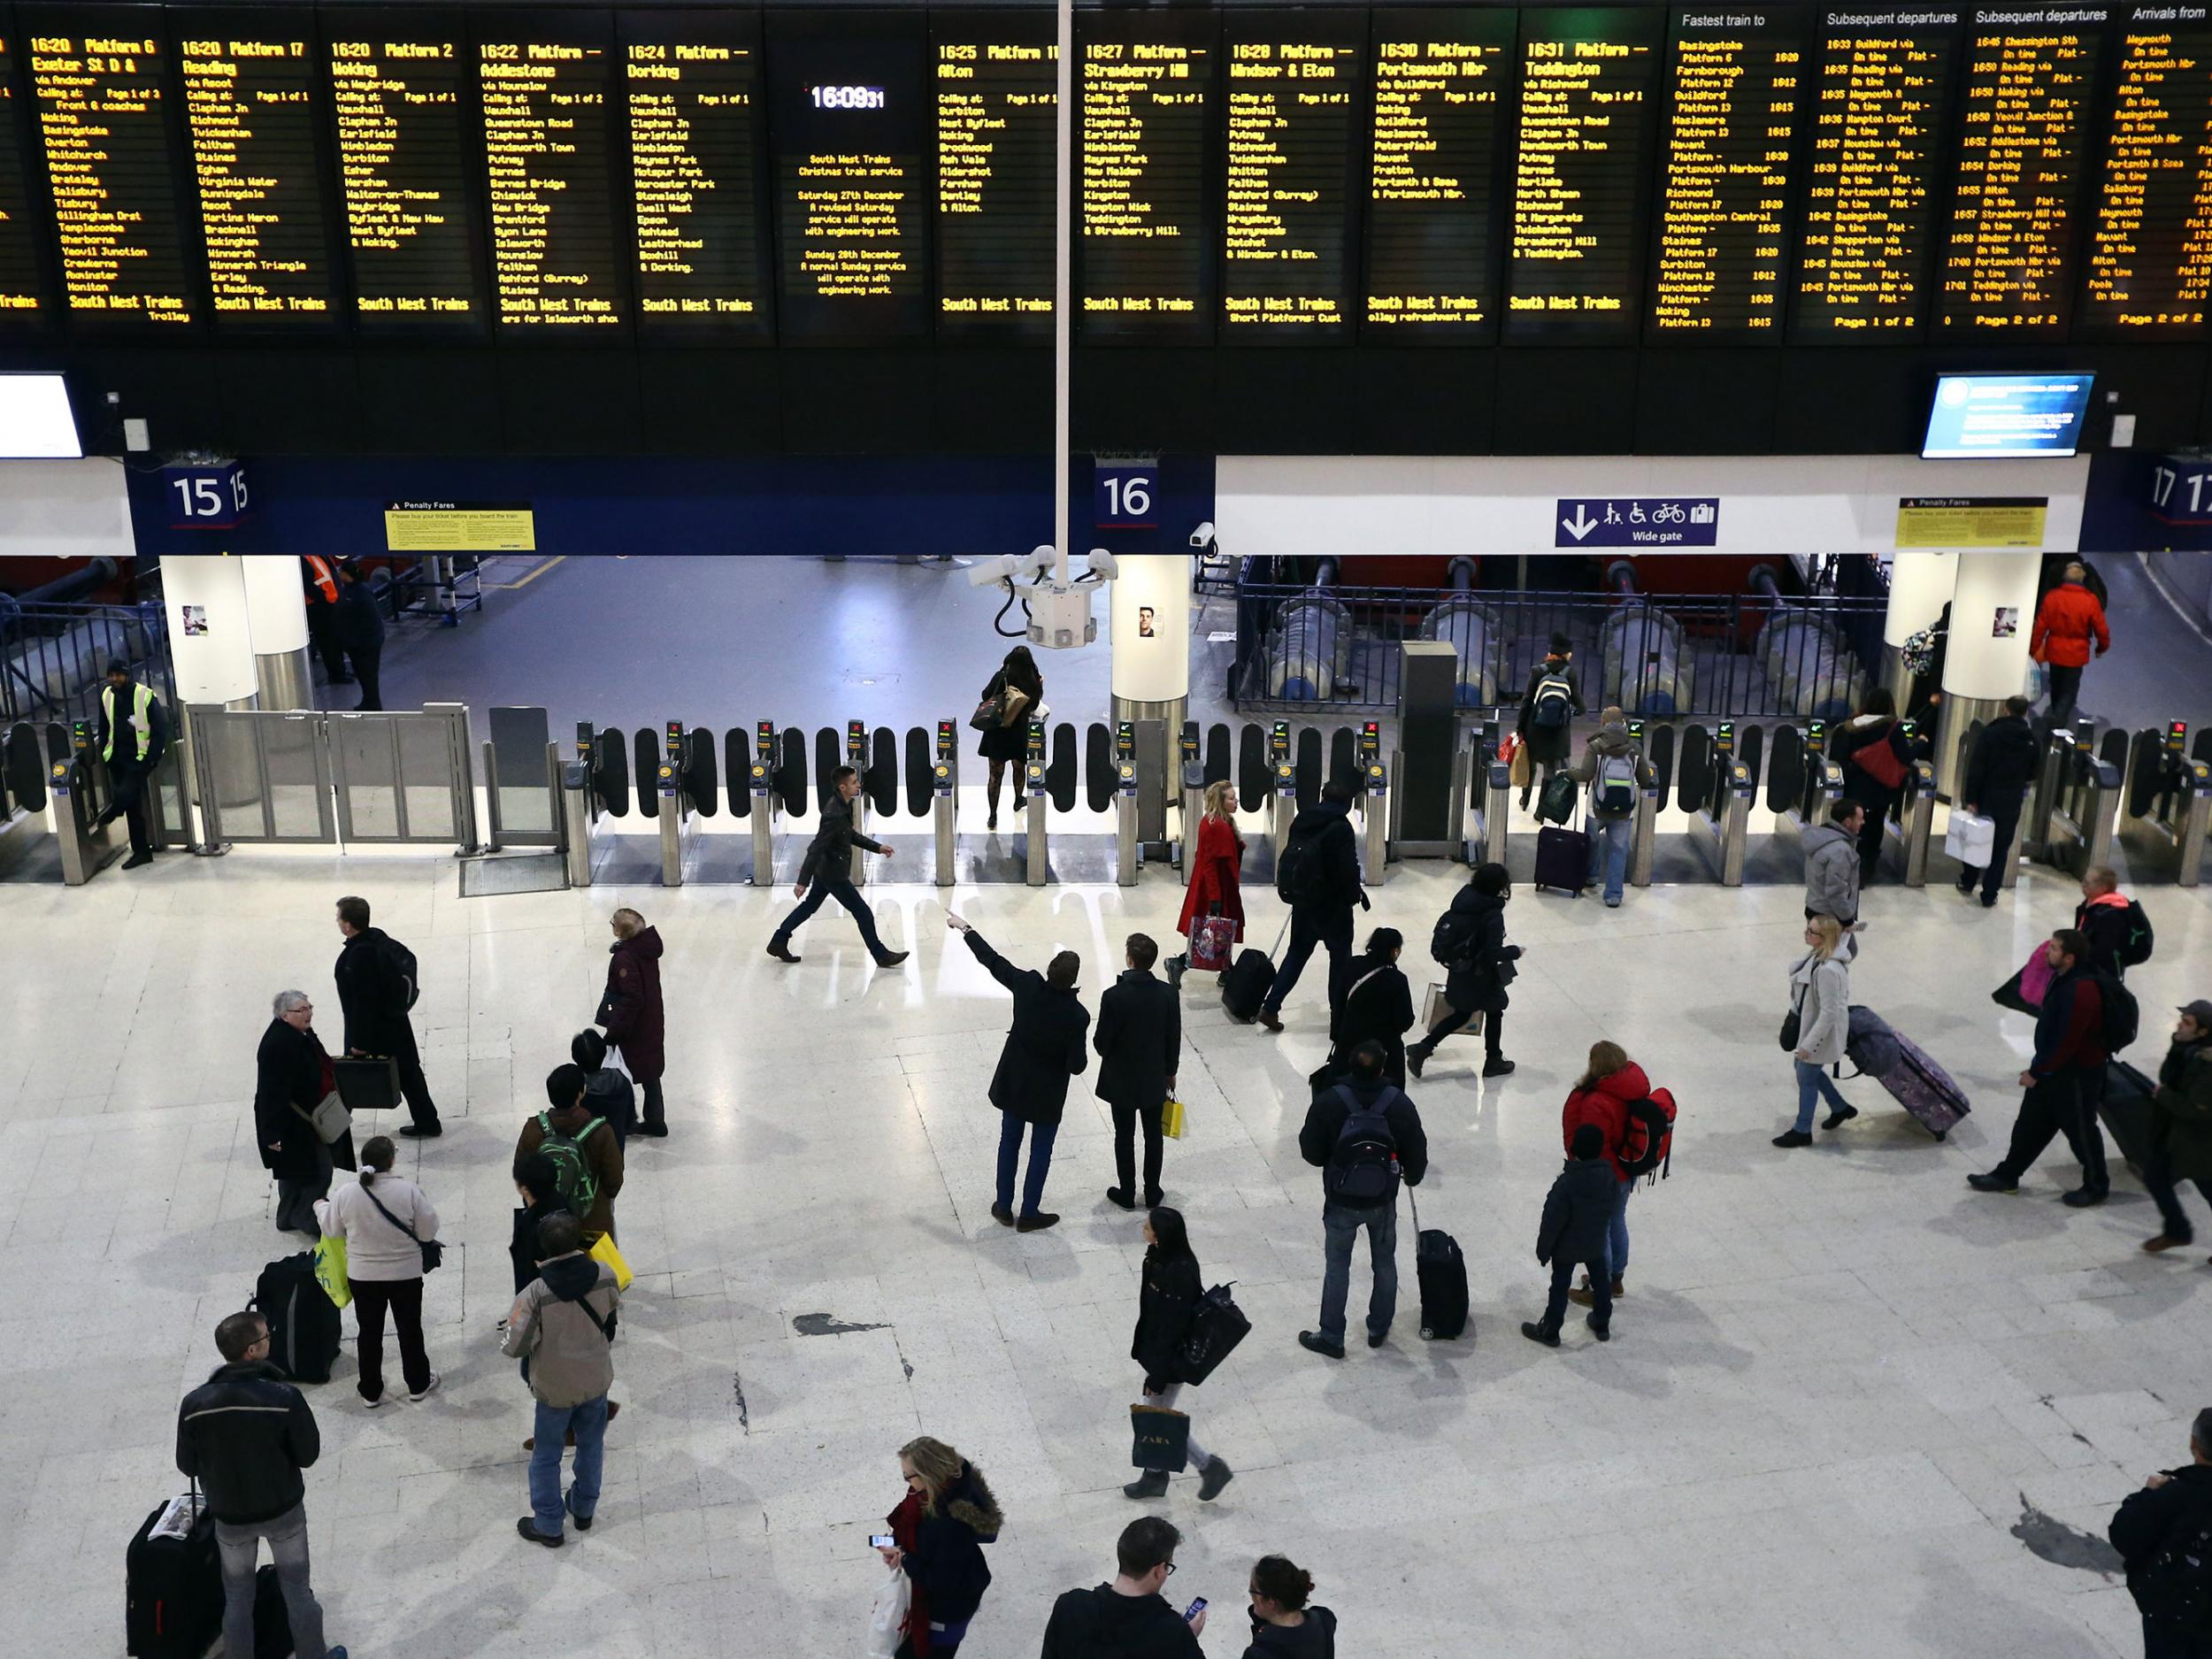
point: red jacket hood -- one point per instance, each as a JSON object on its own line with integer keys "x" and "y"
{"x": 1605, "y": 1104}
{"x": 1627, "y": 1084}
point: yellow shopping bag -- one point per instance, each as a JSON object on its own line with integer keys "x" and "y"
{"x": 1174, "y": 1118}
{"x": 604, "y": 1250}
{"x": 330, "y": 1269}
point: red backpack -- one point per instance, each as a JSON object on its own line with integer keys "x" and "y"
{"x": 1647, "y": 1142}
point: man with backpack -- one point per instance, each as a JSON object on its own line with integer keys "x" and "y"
{"x": 2164, "y": 1533}
{"x": 1612, "y": 768}
{"x": 585, "y": 1153}
{"x": 377, "y": 985}
{"x": 2118, "y": 932}
{"x": 1365, "y": 1137}
{"x": 2085, "y": 1018}
{"x": 1318, "y": 877}
{"x": 1546, "y": 721}
{"x": 562, "y": 1328}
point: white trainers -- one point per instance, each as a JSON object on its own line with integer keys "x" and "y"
{"x": 381, "y": 1400}
{"x": 428, "y": 1389}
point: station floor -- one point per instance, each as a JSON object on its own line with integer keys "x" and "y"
{"x": 1849, "y": 1408}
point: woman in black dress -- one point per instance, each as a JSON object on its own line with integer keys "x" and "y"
{"x": 1024, "y": 688}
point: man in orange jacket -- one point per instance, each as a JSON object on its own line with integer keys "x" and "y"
{"x": 2065, "y": 622}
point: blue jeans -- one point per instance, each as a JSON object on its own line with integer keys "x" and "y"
{"x": 238, "y": 1547}
{"x": 1010, "y": 1151}
{"x": 1610, "y": 838}
{"x": 1306, "y": 932}
{"x": 1814, "y": 1084}
{"x": 1339, "y": 1229}
{"x": 589, "y": 1420}
{"x": 1599, "y": 1273}
{"x": 1617, "y": 1230}
{"x": 836, "y": 887}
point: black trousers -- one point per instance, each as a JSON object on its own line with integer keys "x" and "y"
{"x": 2064, "y": 1103}
{"x": 1872, "y": 832}
{"x": 364, "y": 669}
{"x": 128, "y": 781}
{"x": 1454, "y": 1018}
{"x": 2005, "y": 817}
{"x": 2065, "y": 691}
{"x": 1126, "y": 1118}
{"x": 403, "y": 1297}
{"x": 823, "y": 888}
{"x": 2158, "y": 1178}
{"x": 413, "y": 1088}
{"x": 655, "y": 1112}
{"x": 1306, "y": 931}
{"x": 322, "y": 633}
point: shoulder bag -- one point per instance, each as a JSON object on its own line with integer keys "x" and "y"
{"x": 433, "y": 1250}
{"x": 329, "y": 1120}
{"x": 1793, "y": 1024}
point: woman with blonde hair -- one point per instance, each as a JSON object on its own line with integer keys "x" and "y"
{"x": 1819, "y": 1025}
{"x": 1216, "y": 862}
{"x": 937, "y": 1537}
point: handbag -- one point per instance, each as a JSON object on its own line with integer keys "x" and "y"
{"x": 1217, "y": 1325}
{"x": 604, "y": 1250}
{"x": 887, "y": 1619}
{"x": 1212, "y": 939}
{"x": 330, "y": 1120}
{"x": 1521, "y": 768}
{"x": 1159, "y": 1439}
{"x": 433, "y": 1251}
{"x": 1793, "y": 1024}
{"x": 1174, "y": 1118}
{"x": 330, "y": 1269}
{"x": 990, "y": 714}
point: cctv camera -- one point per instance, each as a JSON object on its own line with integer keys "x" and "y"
{"x": 1203, "y": 536}
{"x": 992, "y": 572}
{"x": 1104, "y": 566}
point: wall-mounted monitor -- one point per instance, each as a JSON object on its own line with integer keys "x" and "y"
{"x": 35, "y": 424}
{"x": 2005, "y": 415}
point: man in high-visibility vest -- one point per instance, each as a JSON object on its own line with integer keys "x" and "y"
{"x": 133, "y": 731}
{"x": 318, "y": 577}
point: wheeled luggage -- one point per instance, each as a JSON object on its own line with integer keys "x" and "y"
{"x": 172, "y": 1582}
{"x": 303, "y": 1323}
{"x": 1442, "y": 1272}
{"x": 1246, "y": 988}
{"x": 1563, "y": 859}
{"x": 1923, "y": 1088}
{"x": 2127, "y": 1111}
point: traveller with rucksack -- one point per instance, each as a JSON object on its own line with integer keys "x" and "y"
{"x": 377, "y": 986}
{"x": 1612, "y": 768}
{"x": 585, "y": 1156}
{"x": 1876, "y": 755}
{"x": 1469, "y": 943}
{"x": 1365, "y": 1138}
{"x": 562, "y": 1328}
{"x": 1546, "y": 721}
{"x": 1317, "y": 876}
{"x": 2164, "y": 1533}
{"x": 2118, "y": 931}
{"x": 1572, "y": 1234}
{"x": 2084, "y": 1016}
{"x": 1635, "y": 1124}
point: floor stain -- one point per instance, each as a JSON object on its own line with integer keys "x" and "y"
{"x": 2063, "y": 1546}
{"x": 828, "y": 1325}
{"x": 737, "y": 1387}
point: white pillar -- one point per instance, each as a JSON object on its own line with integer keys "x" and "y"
{"x": 1920, "y": 585}
{"x": 1150, "y": 673}
{"x": 1992, "y": 612}
{"x": 276, "y": 614}
{"x": 210, "y": 640}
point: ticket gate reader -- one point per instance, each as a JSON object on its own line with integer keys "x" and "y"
{"x": 1484, "y": 827}
{"x": 1914, "y": 819}
{"x": 1822, "y": 784}
{"x": 2168, "y": 798}
{"x": 77, "y": 789}
{"x": 2079, "y": 805}
{"x": 944, "y": 779}
{"x": 1374, "y": 823}
{"x": 856, "y": 757}
{"x": 760, "y": 785}
{"x": 1125, "y": 846}
{"x": 1194, "y": 787}
{"x": 1720, "y": 825}
{"x": 677, "y": 818}
{"x": 1645, "y": 844}
{"x": 1283, "y": 779}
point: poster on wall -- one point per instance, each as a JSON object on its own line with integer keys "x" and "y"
{"x": 1977, "y": 521}
{"x": 459, "y": 527}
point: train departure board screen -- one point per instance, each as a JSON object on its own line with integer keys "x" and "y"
{"x": 2148, "y": 272}
{"x": 1295, "y": 104}
{"x": 2022, "y": 154}
{"x": 253, "y": 110}
{"x": 1145, "y": 191}
{"x": 399, "y": 90}
{"x": 1881, "y": 82}
{"x": 1736, "y": 92}
{"x": 1575, "y": 264}
{"x": 996, "y": 76}
{"x": 98, "y": 83}
{"x": 1440, "y": 83}
{"x": 548, "y": 87}
{"x": 22, "y": 292}
{"x": 695, "y": 98}
{"x": 850, "y": 109}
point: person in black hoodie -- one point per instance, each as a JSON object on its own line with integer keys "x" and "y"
{"x": 1284, "y": 1626}
{"x": 938, "y": 1532}
{"x": 244, "y": 1435}
{"x": 607, "y": 1093}
{"x": 2164, "y": 1537}
{"x": 1377, "y": 1007}
{"x": 376, "y": 986}
{"x": 1322, "y": 883}
{"x": 1167, "y": 1297}
{"x": 1128, "y": 1619}
{"x": 537, "y": 1183}
{"x": 1575, "y": 1232}
{"x": 1044, "y": 1049}
{"x": 1479, "y": 968}
{"x": 1997, "y": 772}
{"x": 827, "y": 869}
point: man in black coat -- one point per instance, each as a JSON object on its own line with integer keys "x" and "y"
{"x": 1998, "y": 772}
{"x": 1367, "y": 1091}
{"x": 376, "y": 988}
{"x": 1576, "y": 1232}
{"x": 1140, "y": 1040}
{"x": 291, "y": 1076}
{"x": 1044, "y": 1049}
{"x": 1323, "y": 886}
{"x": 2164, "y": 1537}
{"x": 828, "y": 870}
{"x": 360, "y": 629}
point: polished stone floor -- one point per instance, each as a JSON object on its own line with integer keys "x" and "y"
{"x": 1849, "y": 1410}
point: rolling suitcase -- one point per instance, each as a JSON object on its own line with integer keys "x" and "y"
{"x": 271, "y": 1619}
{"x": 303, "y": 1323}
{"x": 172, "y": 1584}
{"x": 1563, "y": 859}
{"x": 2127, "y": 1111}
{"x": 1249, "y": 976}
{"x": 1442, "y": 1272}
{"x": 1923, "y": 1088}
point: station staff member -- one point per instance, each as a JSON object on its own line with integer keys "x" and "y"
{"x": 319, "y": 578}
{"x": 133, "y": 731}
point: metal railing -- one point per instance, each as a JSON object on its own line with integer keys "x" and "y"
{"x": 54, "y": 656}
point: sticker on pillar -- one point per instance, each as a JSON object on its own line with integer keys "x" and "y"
{"x": 1963, "y": 521}
{"x": 459, "y": 527}
{"x": 1637, "y": 521}
{"x": 194, "y": 620}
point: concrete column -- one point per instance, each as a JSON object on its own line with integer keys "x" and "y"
{"x": 210, "y": 638}
{"x": 276, "y": 613}
{"x": 1920, "y": 585}
{"x": 1993, "y": 611}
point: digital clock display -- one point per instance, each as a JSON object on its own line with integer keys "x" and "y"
{"x": 847, "y": 97}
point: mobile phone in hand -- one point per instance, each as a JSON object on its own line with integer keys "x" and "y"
{"x": 1194, "y": 1609}
{"x": 881, "y": 1540}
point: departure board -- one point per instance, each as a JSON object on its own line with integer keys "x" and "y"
{"x": 1145, "y": 196}
{"x": 697, "y": 117}
{"x": 399, "y": 89}
{"x": 2020, "y": 159}
{"x": 997, "y": 78}
{"x": 2149, "y": 274}
{"x": 547, "y": 89}
{"x": 22, "y": 292}
{"x": 1295, "y": 97}
{"x": 1736, "y": 91}
{"x": 1881, "y": 84}
{"x": 849, "y": 109}
{"x": 1439, "y": 80}
{"x": 253, "y": 113}
{"x": 1575, "y": 264}
{"x": 98, "y": 83}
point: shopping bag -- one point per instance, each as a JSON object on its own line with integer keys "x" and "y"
{"x": 1970, "y": 839}
{"x": 1212, "y": 939}
{"x": 2024, "y": 991}
{"x": 604, "y": 1250}
{"x": 1174, "y": 1118}
{"x": 1521, "y": 769}
{"x": 886, "y": 1620}
{"x": 330, "y": 1269}
{"x": 1161, "y": 1440}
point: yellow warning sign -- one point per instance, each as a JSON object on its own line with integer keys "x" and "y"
{"x": 1953, "y": 521}
{"x": 459, "y": 527}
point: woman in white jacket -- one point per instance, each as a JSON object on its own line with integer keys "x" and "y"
{"x": 385, "y": 1220}
{"x": 1820, "y": 991}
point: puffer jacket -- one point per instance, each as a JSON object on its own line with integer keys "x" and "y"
{"x": 1611, "y": 739}
{"x": 1832, "y": 872}
{"x": 1825, "y": 1013}
{"x": 2066, "y": 621}
{"x": 1577, "y": 1213}
{"x": 946, "y": 1562}
{"x": 568, "y": 1357}
{"x": 1605, "y": 1103}
{"x": 245, "y": 1434}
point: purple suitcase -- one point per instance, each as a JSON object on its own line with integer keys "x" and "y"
{"x": 1923, "y": 1088}
{"x": 1563, "y": 859}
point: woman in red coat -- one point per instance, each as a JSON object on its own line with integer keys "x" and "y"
{"x": 1602, "y": 1098}
{"x": 631, "y": 1011}
{"x": 1215, "y": 864}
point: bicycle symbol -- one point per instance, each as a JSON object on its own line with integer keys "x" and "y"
{"x": 1669, "y": 512}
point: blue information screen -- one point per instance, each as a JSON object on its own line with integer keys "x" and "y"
{"x": 1977, "y": 414}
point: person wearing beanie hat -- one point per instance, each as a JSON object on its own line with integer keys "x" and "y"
{"x": 2181, "y": 1124}
{"x": 1470, "y": 942}
{"x": 1575, "y": 1232}
{"x": 1546, "y": 720}
{"x": 585, "y": 1151}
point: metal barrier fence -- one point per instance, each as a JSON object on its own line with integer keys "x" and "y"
{"x": 304, "y": 777}
{"x": 54, "y": 658}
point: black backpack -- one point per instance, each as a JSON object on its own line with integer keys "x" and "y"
{"x": 1649, "y": 1130}
{"x": 2135, "y": 950}
{"x": 1363, "y": 1170}
{"x": 1553, "y": 704}
{"x": 2123, "y": 1017}
{"x": 402, "y": 963}
{"x": 1453, "y": 940}
{"x": 1302, "y": 874}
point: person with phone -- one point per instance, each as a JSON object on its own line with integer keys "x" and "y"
{"x": 1284, "y": 1626}
{"x": 936, "y": 1539}
{"x": 1129, "y": 1618}
{"x": 1167, "y": 1300}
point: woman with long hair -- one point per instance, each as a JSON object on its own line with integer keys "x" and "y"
{"x": 385, "y": 1220}
{"x": 1820, "y": 994}
{"x": 1285, "y": 1624}
{"x": 938, "y": 1532}
{"x": 1216, "y": 865}
{"x": 1602, "y": 1096}
{"x": 1167, "y": 1299}
{"x": 1024, "y": 687}
{"x": 1877, "y": 758}
{"x": 1377, "y": 1008}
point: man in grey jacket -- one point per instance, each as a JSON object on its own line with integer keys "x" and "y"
{"x": 562, "y": 1327}
{"x": 1831, "y": 864}
{"x": 1612, "y": 768}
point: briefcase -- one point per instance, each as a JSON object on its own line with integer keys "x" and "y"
{"x": 368, "y": 1083}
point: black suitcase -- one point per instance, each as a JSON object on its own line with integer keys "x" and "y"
{"x": 1563, "y": 859}
{"x": 173, "y": 1588}
{"x": 303, "y": 1323}
{"x": 1442, "y": 1272}
{"x": 1245, "y": 987}
{"x": 271, "y": 1619}
{"x": 2127, "y": 1111}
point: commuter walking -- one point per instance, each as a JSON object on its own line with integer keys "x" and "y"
{"x": 319, "y": 582}
{"x": 1608, "y": 1085}
{"x": 1577, "y": 1221}
{"x": 2119, "y": 932}
{"x": 1216, "y": 867}
{"x": 133, "y": 731}
{"x": 633, "y": 1014}
{"x": 827, "y": 869}
{"x": 360, "y": 625}
{"x": 244, "y": 1435}
{"x": 1139, "y": 1043}
{"x": 1877, "y": 757}
{"x": 2181, "y": 1126}
{"x": 1998, "y": 772}
{"x": 1318, "y": 877}
{"x": 1832, "y": 865}
{"x": 1377, "y": 1007}
{"x": 292, "y": 1077}
{"x": 607, "y": 1093}
{"x": 386, "y": 1221}
{"x": 2065, "y": 1079}
{"x": 1820, "y": 1011}
{"x": 1043, "y": 1050}
{"x": 1612, "y": 768}
{"x": 538, "y": 1184}
{"x": 2164, "y": 1533}
{"x": 2067, "y": 623}
{"x": 377, "y": 986}
{"x": 1545, "y": 722}
{"x": 1020, "y": 691}
{"x": 1129, "y": 1618}
{"x": 1286, "y": 1624}
{"x": 1925, "y": 652}
{"x": 587, "y": 1157}
{"x": 1468, "y": 941}
{"x": 1365, "y": 1137}
{"x": 1167, "y": 1300}
{"x": 562, "y": 1328}
{"x": 937, "y": 1537}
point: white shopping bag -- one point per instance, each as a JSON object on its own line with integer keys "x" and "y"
{"x": 889, "y": 1617}
{"x": 1970, "y": 839}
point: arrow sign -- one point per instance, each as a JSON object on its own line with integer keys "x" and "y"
{"x": 1580, "y": 525}
{"x": 1650, "y": 521}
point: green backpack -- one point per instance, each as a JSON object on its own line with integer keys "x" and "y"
{"x": 573, "y": 1176}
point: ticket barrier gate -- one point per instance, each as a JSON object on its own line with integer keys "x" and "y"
{"x": 1649, "y": 789}
{"x": 1374, "y": 806}
{"x": 2078, "y": 804}
{"x": 2168, "y": 803}
{"x": 1037, "y": 820}
{"x": 1717, "y": 785}
{"x": 79, "y": 789}
{"x": 1283, "y": 779}
{"x": 944, "y": 777}
{"x": 1192, "y": 776}
{"x": 678, "y": 819}
{"x": 595, "y": 779}
{"x": 1803, "y": 784}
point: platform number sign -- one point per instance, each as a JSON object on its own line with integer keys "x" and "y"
{"x": 2181, "y": 496}
{"x": 1126, "y": 492}
{"x": 213, "y": 496}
